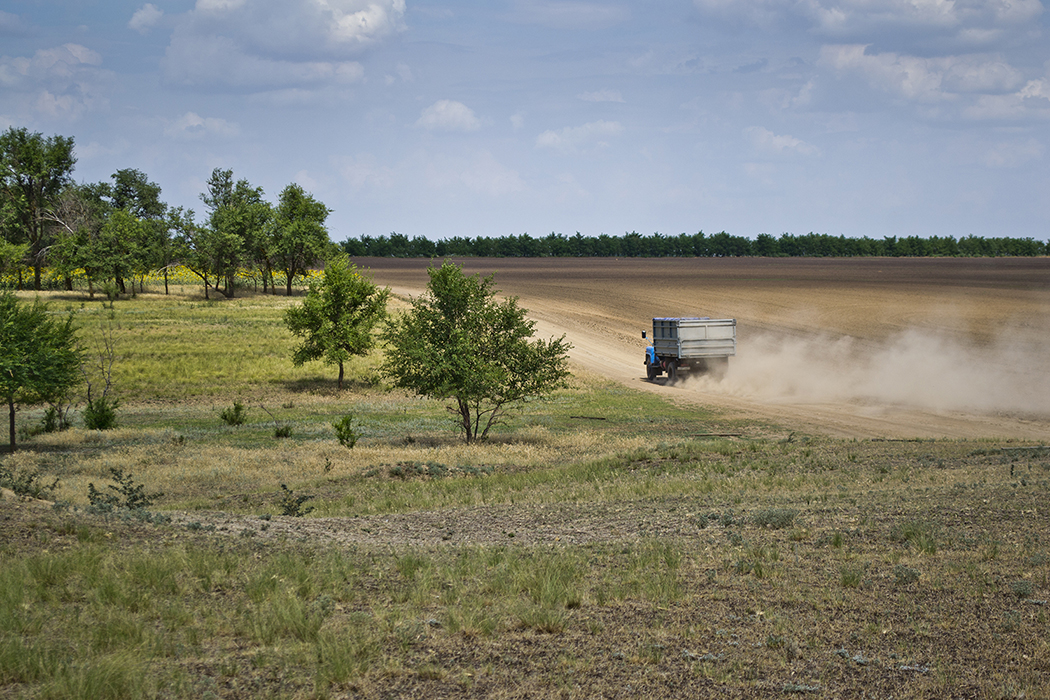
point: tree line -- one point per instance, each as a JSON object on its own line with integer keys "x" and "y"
{"x": 702, "y": 245}
{"x": 119, "y": 231}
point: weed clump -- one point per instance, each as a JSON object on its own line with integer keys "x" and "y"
{"x": 921, "y": 535}
{"x": 774, "y": 518}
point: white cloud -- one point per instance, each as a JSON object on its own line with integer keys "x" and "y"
{"x": 1032, "y": 100}
{"x": 601, "y": 96}
{"x": 570, "y": 14}
{"x": 969, "y": 20}
{"x": 984, "y": 86}
{"x": 275, "y": 43}
{"x": 145, "y": 18}
{"x": 1012, "y": 155}
{"x": 766, "y": 142}
{"x": 486, "y": 175}
{"x": 448, "y": 115}
{"x": 574, "y": 138}
{"x": 11, "y": 24}
{"x": 517, "y": 120}
{"x": 192, "y": 126}
{"x": 363, "y": 171}
{"x": 63, "y": 81}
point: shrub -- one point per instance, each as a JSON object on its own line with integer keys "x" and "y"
{"x": 293, "y": 505}
{"x": 126, "y": 494}
{"x": 100, "y": 414}
{"x": 26, "y": 483}
{"x": 235, "y": 415}
{"x": 282, "y": 431}
{"x": 344, "y": 431}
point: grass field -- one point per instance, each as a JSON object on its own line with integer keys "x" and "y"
{"x": 606, "y": 542}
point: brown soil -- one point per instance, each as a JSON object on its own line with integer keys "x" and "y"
{"x": 883, "y": 347}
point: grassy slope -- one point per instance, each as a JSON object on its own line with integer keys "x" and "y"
{"x": 759, "y": 565}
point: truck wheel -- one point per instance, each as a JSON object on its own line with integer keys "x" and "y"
{"x": 651, "y": 372}
{"x": 672, "y": 371}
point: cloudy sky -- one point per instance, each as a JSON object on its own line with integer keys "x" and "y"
{"x": 495, "y": 117}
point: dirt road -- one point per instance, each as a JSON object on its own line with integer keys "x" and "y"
{"x": 895, "y": 348}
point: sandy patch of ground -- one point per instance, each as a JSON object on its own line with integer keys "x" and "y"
{"x": 899, "y": 348}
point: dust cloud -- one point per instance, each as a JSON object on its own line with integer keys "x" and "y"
{"x": 919, "y": 368}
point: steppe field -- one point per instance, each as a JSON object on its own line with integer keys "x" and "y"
{"x": 857, "y": 510}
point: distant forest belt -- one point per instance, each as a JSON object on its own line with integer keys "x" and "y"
{"x": 699, "y": 244}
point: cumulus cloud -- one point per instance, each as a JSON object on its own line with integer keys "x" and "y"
{"x": 575, "y": 138}
{"x": 193, "y": 126}
{"x": 272, "y": 43}
{"x": 1012, "y": 155}
{"x": 769, "y": 143}
{"x": 448, "y": 115}
{"x": 64, "y": 81}
{"x": 974, "y": 20}
{"x": 924, "y": 79}
{"x": 570, "y": 14}
{"x": 11, "y": 25}
{"x": 145, "y": 18}
{"x": 601, "y": 96}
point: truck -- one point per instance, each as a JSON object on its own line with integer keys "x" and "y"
{"x": 697, "y": 344}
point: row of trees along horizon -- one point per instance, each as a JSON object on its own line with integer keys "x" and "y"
{"x": 114, "y": 232}
{"x": 685, "y": 245}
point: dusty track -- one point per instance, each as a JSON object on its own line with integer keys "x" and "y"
{"x": 895, "y": 348}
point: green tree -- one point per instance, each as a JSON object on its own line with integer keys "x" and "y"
{"x": 458, "y": 342}
{"x": 33, "y": 172}
{"x": 299, "y": 235}
{"x": 338, "y": 316}
{"x": 39, "y": 357}
{"x": 237, "y": 225}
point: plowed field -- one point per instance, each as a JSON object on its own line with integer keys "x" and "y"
{"x": 885, "y": 347}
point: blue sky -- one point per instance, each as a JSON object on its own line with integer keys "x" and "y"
{"x": 437, "y": 119}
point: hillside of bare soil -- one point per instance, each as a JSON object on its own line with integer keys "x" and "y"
{"x": 895, "y": 348}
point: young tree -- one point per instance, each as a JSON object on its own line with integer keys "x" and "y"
{"x": 458, "y": 342}
{"x": 33, "y": 172}
{"x": 39, "y": 357}
{"x": 338, "y": 315}
{"x": 299, "y": 234}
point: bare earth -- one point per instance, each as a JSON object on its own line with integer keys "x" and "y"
{"x": 884, "y": 347}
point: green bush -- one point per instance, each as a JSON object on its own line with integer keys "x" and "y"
{"x": 235, "y": 415}
{"x": 126, "y": 494}
{"x": 100, "y": 414}
{"x": 345, "y": 432}
{"x": 293, "y": 505}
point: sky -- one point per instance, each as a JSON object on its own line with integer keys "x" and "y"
{"x": 502, "y": 117}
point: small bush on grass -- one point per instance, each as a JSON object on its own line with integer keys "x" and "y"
{"x": 235, "y": 415}
{"x": 125, "y": 495}
{"x": 293, "y": 505}
{"x": 345, "y": 432}
{"x": 26, "y": 483}
{"x": 100, "y": 414}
